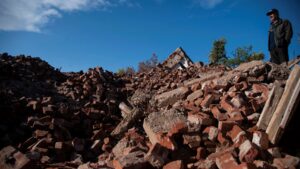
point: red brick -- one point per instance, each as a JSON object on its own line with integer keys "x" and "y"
{"x": 207, "y": 101}
{"x": 133, "y": 160}
{"x": 222, "y": 139}
{"x": 226, "y": 104}
{"x": 220, "y": 152}
{"x": 226, "y": 161}
{"x": 236, "y": 116}
{"x": 261, "y": 139}
{"x": 212, "y": 132}
{"x": 237, "y": 135}
{"x": 248, "y": 153}
{"x": 225, "y": 126}
{"x": 200, "y": 118}
{"x": 217, "y": 114}
{"x": 178, "y": 164}
{"x": 160, "y": 127}
{"x": 131, "y": 139}
{"x": 191, "y": 106}
{"x": 245, "y": 166}
{"x": 261, "y": 88}
{"x": 157, "y": 155}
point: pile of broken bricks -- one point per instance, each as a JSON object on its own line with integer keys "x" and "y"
{"x": 202, "y": 117}
{"x": 210, "y": 123}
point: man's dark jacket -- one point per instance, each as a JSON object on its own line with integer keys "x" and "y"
{"x": 283, "y": 33}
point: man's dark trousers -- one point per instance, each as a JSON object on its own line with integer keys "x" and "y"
{"x": 279, "y": 55}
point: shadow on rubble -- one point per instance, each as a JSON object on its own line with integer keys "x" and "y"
{"x": 290, "y": 139}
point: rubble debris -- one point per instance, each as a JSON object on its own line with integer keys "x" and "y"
{"x": 10, "y": 158}
{"x": 199, "y": 116}
{"x": 161, "y": 126}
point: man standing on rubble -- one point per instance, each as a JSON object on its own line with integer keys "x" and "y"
{"x": 280, "y": 35}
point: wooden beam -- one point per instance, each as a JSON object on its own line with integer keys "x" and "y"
{"x": 273, "y": 127}
{"x": 291, "y": 107}
{"x": 270, "y": 106}
{"x": 293, "y": 62}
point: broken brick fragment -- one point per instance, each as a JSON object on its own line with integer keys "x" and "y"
{"x": 10, "y": 158}
{"x": 261, "y": 139}
{"x": 160, "y": 127}
{"x": 157, "y": 155}
{"x": 212, "y": 132}
{"x": 217, "y": 114}
{"x": 237, "y": 135}
{"x": 244, "y": 165}
{"x": 226, "y": 104}
{"x": 261, "y": 88}
{"x": 207, "y": 100}
{"x": 248, "y": 152}
{"x": 226, "y": 161}
{"x": 178, "y": 164}
{"x": 134, "y": 160}
{"x": 225, "y": 126}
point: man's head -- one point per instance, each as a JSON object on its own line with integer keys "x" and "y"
{"x": 273, "y": 15}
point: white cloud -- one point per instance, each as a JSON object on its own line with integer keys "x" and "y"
{"x": 208, "y": 4}
{"x": 32, "y": 15}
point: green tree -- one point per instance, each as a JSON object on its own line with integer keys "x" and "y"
{"x": 218, "y": 54}
{"x": 244, "y": 54}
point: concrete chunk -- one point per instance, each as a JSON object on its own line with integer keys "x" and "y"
{"x": 169, "y": 98}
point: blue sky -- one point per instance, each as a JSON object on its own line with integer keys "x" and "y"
{"x": 78, "y": 34}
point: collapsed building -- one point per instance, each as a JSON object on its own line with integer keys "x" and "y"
{"x": 178, "y": 115}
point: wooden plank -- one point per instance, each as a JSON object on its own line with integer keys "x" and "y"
{"x": 292, "y": 106}
{"x": 270, "y": 106}
{"x": 290, "y": 109}
{"x": 293, "y": 62}
{"x": 275, "y": 121}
